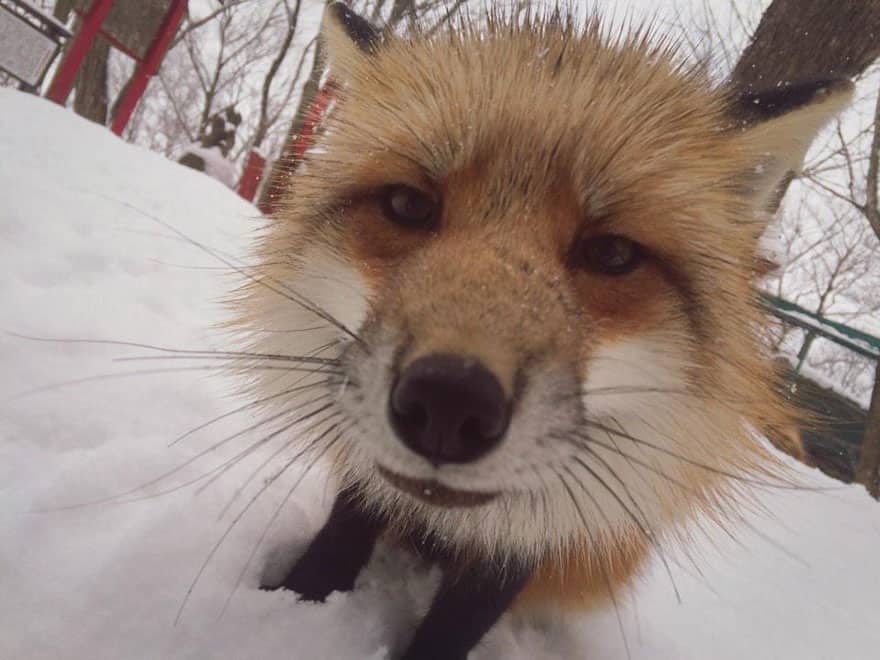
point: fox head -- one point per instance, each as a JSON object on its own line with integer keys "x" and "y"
{"x": 527, "y": 252}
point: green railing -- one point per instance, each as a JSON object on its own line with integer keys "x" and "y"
{"x": 834, "y": 445}
{"x": 840, "y": 333}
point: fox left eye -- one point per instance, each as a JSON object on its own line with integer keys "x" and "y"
{"x": 410, "y": 207}
{"x": 610, "y": 254}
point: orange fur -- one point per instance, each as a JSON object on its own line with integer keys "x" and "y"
{"x": 585, "y": 578}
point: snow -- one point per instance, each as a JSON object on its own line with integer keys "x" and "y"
{"x": 90, "y": 249}
{"x": 216, "y": 164}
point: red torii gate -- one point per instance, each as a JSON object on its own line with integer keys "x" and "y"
{"x": 148, "y": 64}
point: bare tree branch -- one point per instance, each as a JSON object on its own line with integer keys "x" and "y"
{"x": 192, "y": 26}
{"x": 871, "y": 210}
{"x": 263, "y": 125}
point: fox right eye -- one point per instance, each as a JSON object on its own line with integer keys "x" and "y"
{"x": 410, "y": 207}
{"x": 610, "y": 254}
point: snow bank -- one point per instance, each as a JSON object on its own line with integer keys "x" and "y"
{"x": 89, "y": 250}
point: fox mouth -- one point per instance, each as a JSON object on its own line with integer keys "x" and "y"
{"x": 434, "y": 493}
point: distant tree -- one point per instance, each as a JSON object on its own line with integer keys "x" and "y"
{"x": 91, "y": 93}
{"x": 246, "y": 53}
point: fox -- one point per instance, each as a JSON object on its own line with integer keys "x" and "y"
{"x": 519, "y": 267}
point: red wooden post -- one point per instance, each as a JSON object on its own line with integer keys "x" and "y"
{"x": 148, "y": 66}
{"x": 296, "y": 149}
{"x": 306, "y": 137}
{"x": 64, "y": 78}
{"x": 251, "y": 176}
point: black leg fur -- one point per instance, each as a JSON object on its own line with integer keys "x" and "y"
{"x": 467, "y": 605}
{"x": 337, "y": 554}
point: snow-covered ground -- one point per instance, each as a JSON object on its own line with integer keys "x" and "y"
{"x": 90, "y": 249}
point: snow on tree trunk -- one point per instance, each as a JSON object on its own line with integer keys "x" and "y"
{"x": 210, "y": 154}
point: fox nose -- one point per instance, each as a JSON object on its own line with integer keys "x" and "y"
{"x": 449, "y": 409}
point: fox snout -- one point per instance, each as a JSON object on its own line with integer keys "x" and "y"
{"x": 461, "y": 352}
{"x": 448, "y": 408}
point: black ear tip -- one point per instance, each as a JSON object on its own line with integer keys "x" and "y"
{"x": 832, "y": 86}
{"x": 340, "y": 10}
{"x": 356, "y": 27}
{"x": 756, "y": 105}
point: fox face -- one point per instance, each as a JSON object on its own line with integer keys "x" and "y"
{"x": 527, "y": 252}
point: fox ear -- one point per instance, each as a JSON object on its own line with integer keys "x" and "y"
{"x": 347, "y": 36}
{"x": 779, "y": 126}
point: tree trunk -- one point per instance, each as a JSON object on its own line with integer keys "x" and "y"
{"x": 90, "y": 96}
{"x": 91, "y": 93}
{"x": 868, "y": 472}
{"x": 132, "y": 22}
{"x": 810, "y": 40}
